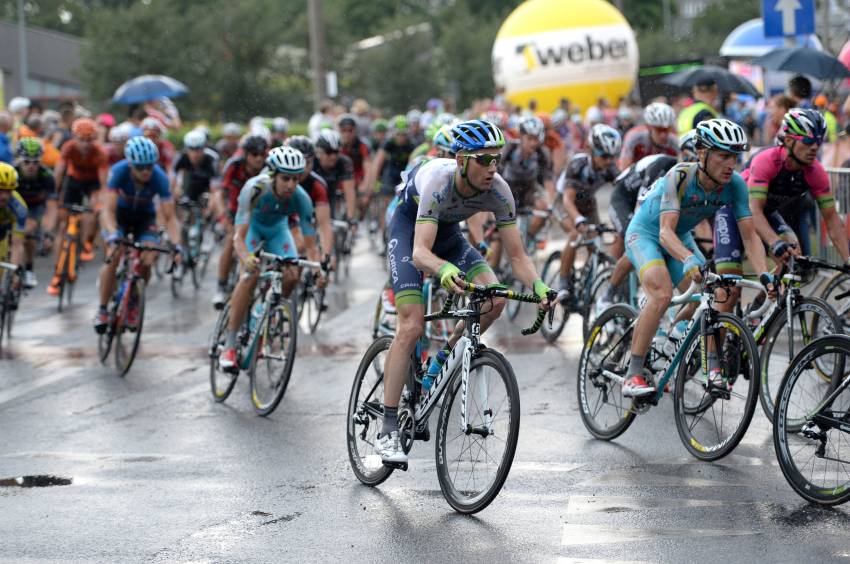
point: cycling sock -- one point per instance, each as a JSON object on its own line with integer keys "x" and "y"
{"x": 101, "y": 308}
{"x": 610, "y": 293}
{"x": 566, "y": 283}
{"x": 390, "y": 421}
{"x": 222, "y": 284}
{"x": 713, "y": 362}
{"x": 636, "y": 364}
{"x": 230, "y": 339}
{"x": 28, "y": 266}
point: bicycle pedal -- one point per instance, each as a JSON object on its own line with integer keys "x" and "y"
{"x": 396, "y": 465}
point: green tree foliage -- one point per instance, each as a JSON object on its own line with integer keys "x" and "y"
{"x": 252, "y": 56}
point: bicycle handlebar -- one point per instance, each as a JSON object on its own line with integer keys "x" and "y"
{"x": 283, "y": 261}
{"x": 142, "y": 247}
{"x": 76, "y": 208}
{"x": 584, "y": 240}
{"x": 497, "y": 291}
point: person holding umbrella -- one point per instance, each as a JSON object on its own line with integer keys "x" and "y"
{"x": 704, "y": 94}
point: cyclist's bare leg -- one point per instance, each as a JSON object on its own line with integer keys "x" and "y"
{"x": 410, "y": 327}
{"x": 107, "y": 272}
{"x": 240, "y": 300}
{"x": 617, "y": 248}
{"x": 31, "y": 230}
{"x": 291, "y": 277}
{"x": 659, "y": 291}
{"x": 568, "y": 255}
{"x": 621, "y": 270}
{"x": 89, "y": 223}
{"x": 537, "y": 223}
{"x": 226, "y": 259}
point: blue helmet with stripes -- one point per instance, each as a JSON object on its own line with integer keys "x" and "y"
{"x": 476, "y": 134}
{"x": 141, "y": 151}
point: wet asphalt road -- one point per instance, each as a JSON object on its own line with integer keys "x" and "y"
{"x": 162, "y": 473}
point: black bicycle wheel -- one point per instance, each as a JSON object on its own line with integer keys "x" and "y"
{"x": 473, "y": 461}
{"x": 811, "y": 436}
{"x": 712, "y": 417}
{"x": 221, "y": 382}
{"x": 552, "y": 276}
{"x": 599, "y": 288}
{"x": 837, "y": 286}
{"x": 67, "y": 288}
{"x": 128, "y": 335}
{"x": 14, "y": 302}
{"x": 339, "y": 253}
{"x": 602, "y": 369}
{"x": 811, "y": 318}
{"x": 273, "y": 356}
{"x": 177, "y": 277}
{"x": 4, "y": 302}
{"x": 365, "y": 414}
{"x": 315, "y": 308}
{"x": 61, "y": 296}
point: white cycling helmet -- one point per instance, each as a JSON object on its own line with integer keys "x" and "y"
{"x": 120, "y": 133}
{"x": 231, "y": 129}
{"x": 605, "y": 140}
{"x": 532, "y": 125}
{"x": 18, "y": 104}
{"x": 280, "y": 125}
{"x": 194, "y": 139}
{"x": 659, "y": 114}
{"x": 559, "y": 117}
{"x": 721, "y": 134}
{"x": 329, "y": 140}
{"x": 286, "y": 159}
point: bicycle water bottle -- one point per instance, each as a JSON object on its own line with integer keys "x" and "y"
{"x": 255, "y": 315}
{"x": 676, "y": 335}
{"x": 659, "y": 345}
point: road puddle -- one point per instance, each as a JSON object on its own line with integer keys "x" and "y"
{"x": 40, "y": 481}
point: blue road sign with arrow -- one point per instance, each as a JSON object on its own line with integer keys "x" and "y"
{"x": 788, "y": 17}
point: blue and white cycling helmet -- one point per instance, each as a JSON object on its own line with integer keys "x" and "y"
{"x": 140, "y": 151}
{"x": 476, "y": 134}
{"x": 286, "y": 160}
{"x": 721, "y": 134}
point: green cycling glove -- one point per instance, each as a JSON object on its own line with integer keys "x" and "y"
{"x": 446, "y": 273}
{"x": 541, "y": 290}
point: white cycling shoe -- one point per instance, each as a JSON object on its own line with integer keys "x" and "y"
{"x": 389, "y": 447}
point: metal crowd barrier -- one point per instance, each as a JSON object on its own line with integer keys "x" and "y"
{"x": 839, "y": 180}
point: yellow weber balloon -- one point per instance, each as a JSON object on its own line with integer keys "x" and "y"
{"x": 577, "y": 49}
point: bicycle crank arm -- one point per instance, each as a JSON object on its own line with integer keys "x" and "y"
{"x": 613, "y": 376}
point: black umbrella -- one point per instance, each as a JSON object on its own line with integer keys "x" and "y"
{"x": 803, "y": 60}
{"x": 725, "y": 80}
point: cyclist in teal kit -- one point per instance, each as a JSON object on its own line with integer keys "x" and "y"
{"x": 659, "y": 243}
{"x": 265, "y": 204}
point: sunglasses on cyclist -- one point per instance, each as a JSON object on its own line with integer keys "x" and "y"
{"x": 661, "y": 129}
{"x": 808, "y": 140}
{"x": 143, "y": 168}
{"x": 486, "y": 159}
{"x": 602, "y": 155}
{"x": 253, "y": 154}
{"x": 30, "y": 162}
{"x": 329, "y": 152}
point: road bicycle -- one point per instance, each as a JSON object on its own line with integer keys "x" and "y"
{"x": 11, "y": 288}
{"x": 791, "y": 323}
{"x": 581, "y": 300}
{"x": 311, "y": 301}
{"x": 811, "y": 422}
{"x": 343, "y": 243}
{"x": 505, "y": 270}
{"x": 199, "y": 240}
{"x": 123, "y": 331}
{"x": 711, "y": 416}
{"x": 477, "y": 392}
{"x": 68, "y": 261}
{"x": 265, "y": 341}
